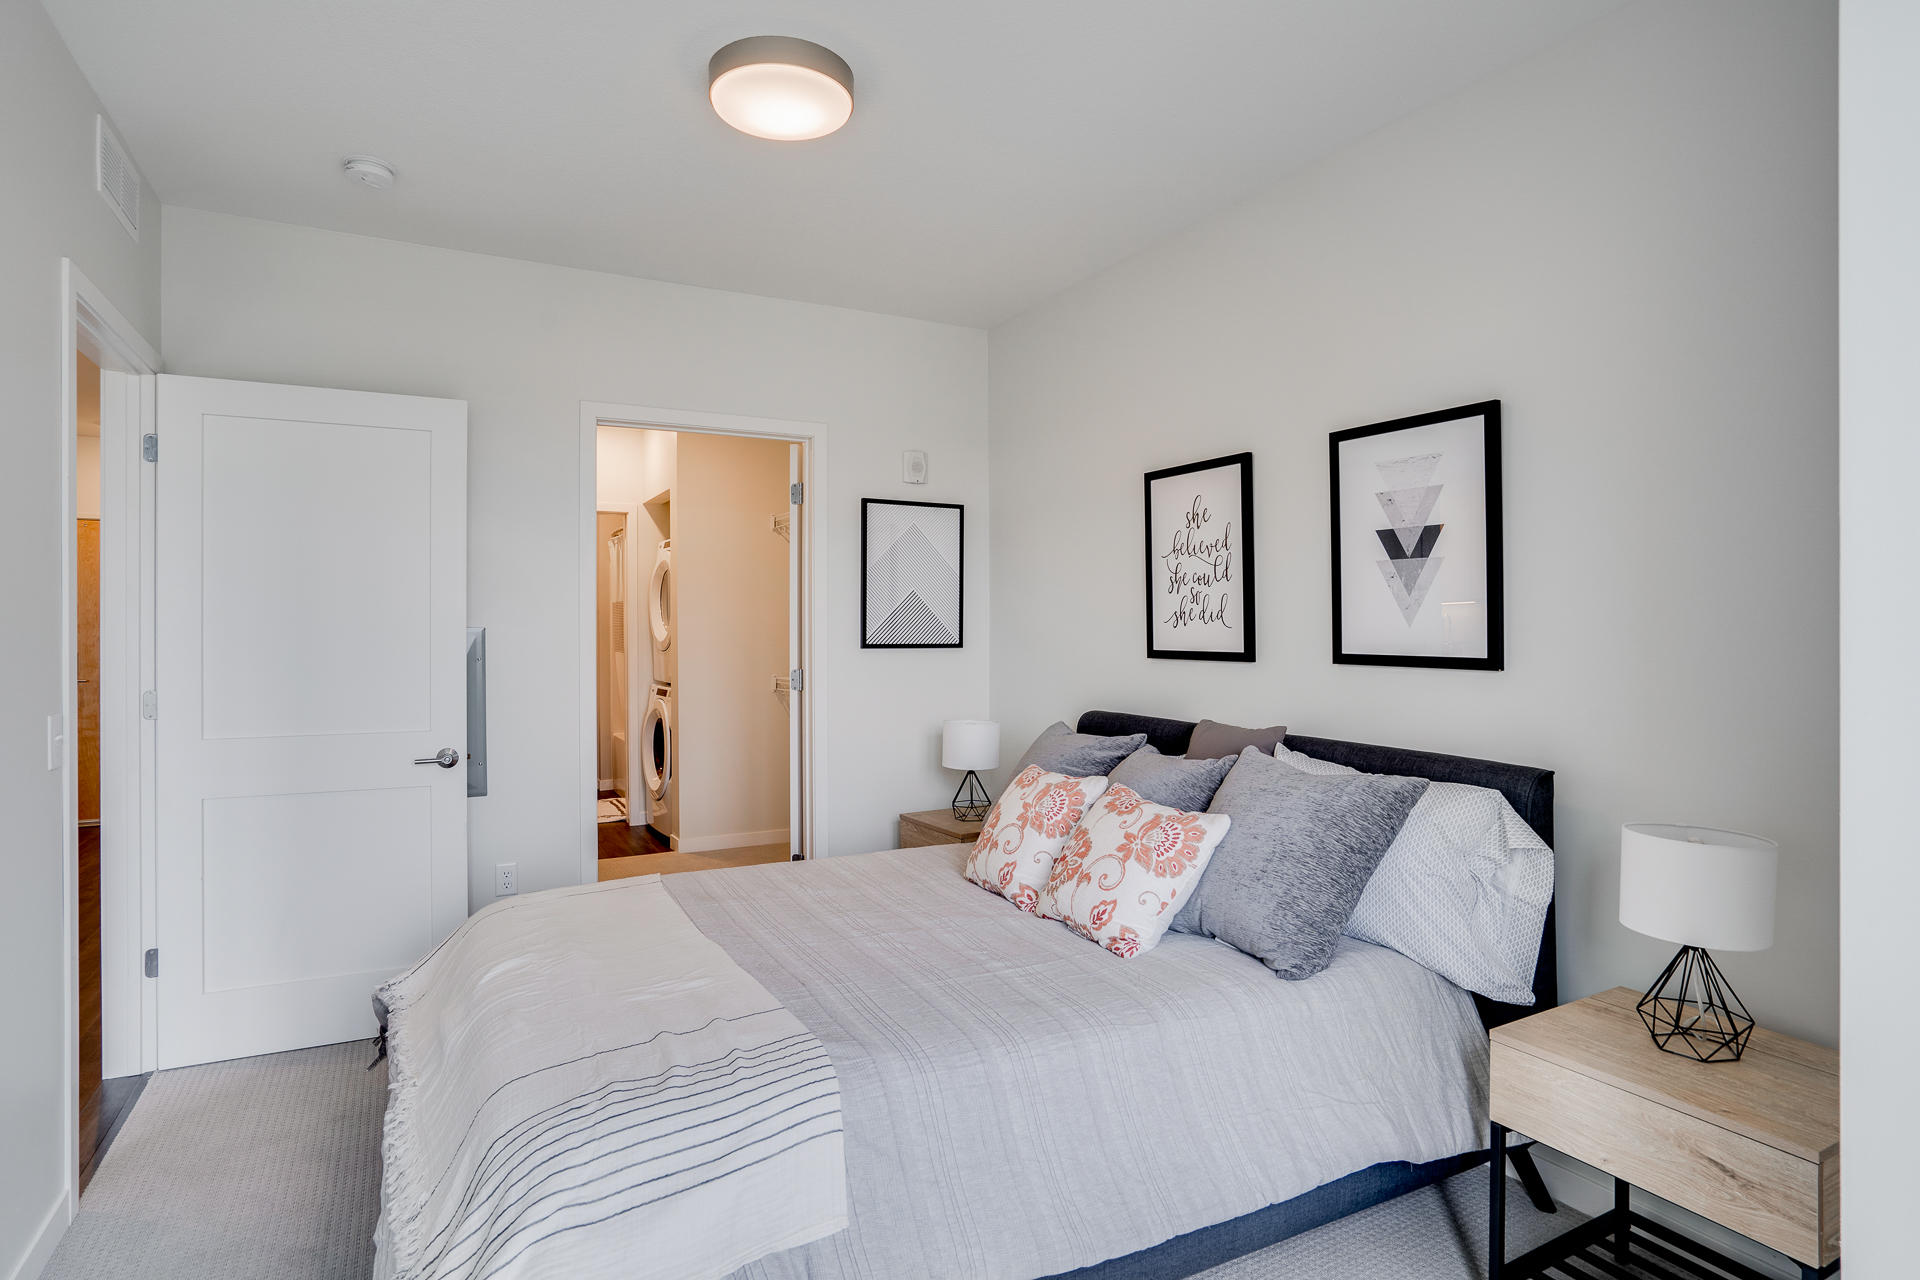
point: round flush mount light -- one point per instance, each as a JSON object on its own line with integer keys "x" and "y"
{"x": 780, "y": 87}
{"x": 375, "y": 173}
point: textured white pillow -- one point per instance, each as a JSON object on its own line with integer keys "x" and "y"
{"x": 1463, "y": 889}
{"x": 1024, "y": 831}
{"x": 1127, "y": 868}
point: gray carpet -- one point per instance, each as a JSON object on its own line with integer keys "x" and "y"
{"x": 269, "y": 1169}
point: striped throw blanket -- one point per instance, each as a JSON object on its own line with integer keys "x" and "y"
{"x": 583, "y": 1085}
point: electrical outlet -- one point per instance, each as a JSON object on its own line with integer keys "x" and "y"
{"x": 506, "y": 879}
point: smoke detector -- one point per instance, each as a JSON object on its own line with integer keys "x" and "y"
{"x": 375, "y": 173}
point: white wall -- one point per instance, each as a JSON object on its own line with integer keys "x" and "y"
{"x": 48, "y": 210}
{"x": 525, "y": 344}
{"x": 1629, "y": 241}
{"x": 731, "y": 570}
{"x": 1880, "y": 685}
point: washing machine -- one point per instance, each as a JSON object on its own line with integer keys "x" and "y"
{"x": 658, "y": 726}
{"x": 660, "y": 611}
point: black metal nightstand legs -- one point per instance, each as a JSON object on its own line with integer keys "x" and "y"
{"x": 1622, "y": 1218}
{"x": 1522, "y": 1158}
{"x": 1497, "y": 1204}
{"x": 1619, "y": 1242}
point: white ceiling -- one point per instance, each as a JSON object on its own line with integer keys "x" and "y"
{"x": 999, "y": 150}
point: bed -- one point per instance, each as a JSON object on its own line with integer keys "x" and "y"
{"x": 1014, "y": 1102}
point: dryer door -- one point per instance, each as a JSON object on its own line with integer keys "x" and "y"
{"x": 656, "y": 734}
{"x": 660, "y": 600}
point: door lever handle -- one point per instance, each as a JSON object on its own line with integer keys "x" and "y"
{"x": 445, "y": 757}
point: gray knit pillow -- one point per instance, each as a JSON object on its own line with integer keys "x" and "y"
{"x": 1059, "y": 749}
{"x": 1293, "y": 864}
{"x": 1178, "y": 783}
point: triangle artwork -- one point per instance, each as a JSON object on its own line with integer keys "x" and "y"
{"x": 912, "y": 623}
{"x": 1409, "y": 541}
{"x": 910, "y": 588}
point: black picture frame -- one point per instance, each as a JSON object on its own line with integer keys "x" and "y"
{"x": 960, "y": 566}
{"x": 1495, "y": 659}
{"x": 1244, "y": 551}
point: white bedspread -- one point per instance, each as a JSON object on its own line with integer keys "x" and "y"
{"x": 583, "y": 1085}
{"x": 1020, "y": 1102}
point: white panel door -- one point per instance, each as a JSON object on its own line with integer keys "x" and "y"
{"x": 310, "y": 605}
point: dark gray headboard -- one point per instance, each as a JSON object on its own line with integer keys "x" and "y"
{"x": 1528, "y": 790}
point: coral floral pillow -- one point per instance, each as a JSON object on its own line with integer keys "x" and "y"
{"x": 1127, "y": 868}
{"x": 1028, "y": 824}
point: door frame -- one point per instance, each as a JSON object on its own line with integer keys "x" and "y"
{"x": 636, "y": 611}
{"x": 593, "y": 416}
{"x": 90, "y": 323}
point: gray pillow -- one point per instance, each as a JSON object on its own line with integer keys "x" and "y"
{"x": 1211, "y": 739}
{"x": 1293, "y": 864}
{"x": 1179, "y": 784}
{"x": 1059, "y": 749}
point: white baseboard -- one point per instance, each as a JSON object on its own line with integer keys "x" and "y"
{"x": 606, "y": 784}
{"x": 1583, "y": 1187}
{"x": 737, "y": 840}
{"x": 40, "y": 1252}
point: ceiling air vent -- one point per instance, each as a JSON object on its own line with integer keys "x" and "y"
{"x": 115, "y": 177}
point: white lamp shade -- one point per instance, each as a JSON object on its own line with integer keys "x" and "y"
{"x": 970, "y": 744}
{"x": 1698, "y": 886}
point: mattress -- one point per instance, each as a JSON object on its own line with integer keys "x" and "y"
{"x": 1018, "y": 1102}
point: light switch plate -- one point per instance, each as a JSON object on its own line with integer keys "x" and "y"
{"x": 913, "y": 466}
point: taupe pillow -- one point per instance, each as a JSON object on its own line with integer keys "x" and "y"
{"x": 1187, "y": 785}
{"x": 1293, "y": 864}
{"x": 1059, "y": 749}
{"x": 1212, "y": 740}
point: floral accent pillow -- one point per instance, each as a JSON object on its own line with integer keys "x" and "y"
{"x": 1127, "y": 868}
{"x": 1024, "y": 832}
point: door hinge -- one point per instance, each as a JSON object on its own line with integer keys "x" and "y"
{"x": 153, "y": 962}
{"x": 149, "y": 705}
{"x": 797, "y": 680}
{"x": 150, "y": 447}
{"x": 797, "y": 492}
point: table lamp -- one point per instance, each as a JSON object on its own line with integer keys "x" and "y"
{"x": 970, "y": 745}
{"x": 1700, "y": 888}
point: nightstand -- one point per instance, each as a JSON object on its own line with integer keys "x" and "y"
{"x": 1753, "y": 1145}
{"x": 936, "y": 826}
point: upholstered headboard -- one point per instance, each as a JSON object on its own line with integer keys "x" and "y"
{"x": 1528, "y": 790}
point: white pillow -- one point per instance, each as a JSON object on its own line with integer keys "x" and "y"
{"x": 1463, "y": 889}
{"x": 1024, "y": 831}
{"x": 1127, "y": 868}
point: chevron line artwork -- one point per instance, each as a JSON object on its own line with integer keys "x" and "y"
{"x": 913, "y": 575}
{"x": 1409, "y": 541}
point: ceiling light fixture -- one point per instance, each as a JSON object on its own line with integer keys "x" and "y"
{"x": 780, "y": 87}
{"x": 375, "y": 173}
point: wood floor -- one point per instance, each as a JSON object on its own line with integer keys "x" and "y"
{"x": 618, "y": 840}
{"x": 647, "y": 864}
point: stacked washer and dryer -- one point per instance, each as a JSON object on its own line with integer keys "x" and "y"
{"x": 659, "y": 721}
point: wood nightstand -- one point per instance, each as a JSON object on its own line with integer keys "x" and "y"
{"x": 1753, "y": 1145}
{"x": 936, "y": 826}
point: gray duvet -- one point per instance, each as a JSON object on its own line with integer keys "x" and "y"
{"x": 1019, "y": 1102}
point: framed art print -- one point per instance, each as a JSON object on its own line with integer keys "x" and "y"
{"x": 1200, "y": 560}
{"x": 911, "y": 561}
{"x": 1417, "y": 541}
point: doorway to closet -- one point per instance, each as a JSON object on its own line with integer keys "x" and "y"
{"x": 697, "y": 551}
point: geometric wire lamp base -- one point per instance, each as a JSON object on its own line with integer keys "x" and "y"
{"x": 1691, "y": 1011}
{"x": 971, "y": 802}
